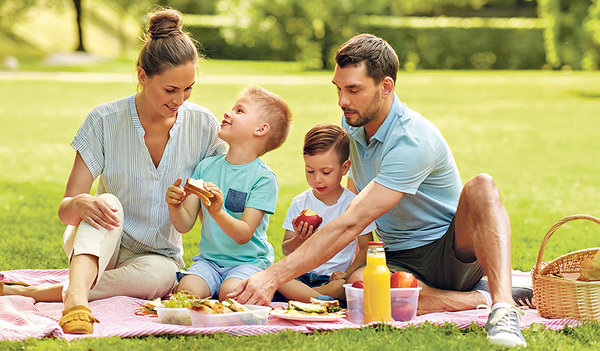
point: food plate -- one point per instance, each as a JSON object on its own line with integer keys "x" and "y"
{"x": 329, "y": 317}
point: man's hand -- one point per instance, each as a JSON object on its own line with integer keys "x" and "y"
{"x": 258, "y": 289}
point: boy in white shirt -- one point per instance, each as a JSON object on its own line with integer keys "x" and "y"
{"x": 326, "y": 151}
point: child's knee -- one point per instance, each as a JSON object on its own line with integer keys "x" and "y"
{"x": 228, "y": 286}
{"x": 195, "y": 285}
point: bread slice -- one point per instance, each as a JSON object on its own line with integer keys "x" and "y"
{"x": 196, "y": 187}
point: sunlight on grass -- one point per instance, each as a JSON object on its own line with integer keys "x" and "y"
{"x": 529, "y": 130}
{"x": 534, "y": 132}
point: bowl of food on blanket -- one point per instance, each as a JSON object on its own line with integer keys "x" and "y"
{"x": 212, "y": 313}
{"x": 403, "y": 300}
{"x": 175, "y": 309}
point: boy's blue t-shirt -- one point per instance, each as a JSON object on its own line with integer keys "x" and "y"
{"x": 408, "y": 154}
{"x": 251, "y": 185}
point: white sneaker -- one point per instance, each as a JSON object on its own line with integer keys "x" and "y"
{"x": 503, "y": 327}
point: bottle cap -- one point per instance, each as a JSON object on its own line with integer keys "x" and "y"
{"x": 375, "y": 243}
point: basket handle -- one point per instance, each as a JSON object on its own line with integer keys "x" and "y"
{"x": 553, "y": 229}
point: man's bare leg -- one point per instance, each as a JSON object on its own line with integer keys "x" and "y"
{"x": 482, "y": 232}
{"x": 436, "y": 300}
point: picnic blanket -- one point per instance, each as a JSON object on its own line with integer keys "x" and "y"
{"x": 22, "y": 318}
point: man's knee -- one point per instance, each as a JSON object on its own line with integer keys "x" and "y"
{"x": 481, "y": 188}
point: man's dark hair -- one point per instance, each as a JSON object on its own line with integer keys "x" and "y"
{"x": 380, "y": 58}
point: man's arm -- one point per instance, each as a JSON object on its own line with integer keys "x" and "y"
{"x": 369, "y": 204}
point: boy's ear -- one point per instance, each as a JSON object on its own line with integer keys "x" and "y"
{"x": 262, "y": 130}
{"x": 346, "y": 167}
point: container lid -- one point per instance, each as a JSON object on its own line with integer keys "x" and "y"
{"x": 375, "y": 243}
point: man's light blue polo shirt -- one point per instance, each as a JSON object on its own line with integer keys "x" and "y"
{"x": 408, "y": 154}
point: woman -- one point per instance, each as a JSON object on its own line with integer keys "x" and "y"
{"x": 122, "y": 242}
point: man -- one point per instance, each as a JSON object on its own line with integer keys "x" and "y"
{"x": 408, "y": 183}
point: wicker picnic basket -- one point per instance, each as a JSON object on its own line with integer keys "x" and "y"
{"x": 558, "y": 297}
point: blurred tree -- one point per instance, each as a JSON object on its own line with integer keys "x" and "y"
{"x": 310, "y": 29}
{"x": 128, "y": 8}
{"x": 313, "y": 29}
{"x": 191, "y": 6}
{"x": 570, "y": 39}
{"x": 12, "y": 11}
{"x": 78, "y": 16}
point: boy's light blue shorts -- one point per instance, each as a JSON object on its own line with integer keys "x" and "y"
{"x": 214, "y": 275}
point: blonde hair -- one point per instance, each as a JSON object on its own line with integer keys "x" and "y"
{"x": 275, "y": 112}
{"x": 166, "y": 45}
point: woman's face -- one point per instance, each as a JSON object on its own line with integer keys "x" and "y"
{"x": 164, "y": 93}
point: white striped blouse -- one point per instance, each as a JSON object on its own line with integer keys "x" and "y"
{"x": 111, "y": 142}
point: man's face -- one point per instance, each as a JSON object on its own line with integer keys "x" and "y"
{"x": 358, "y": 94}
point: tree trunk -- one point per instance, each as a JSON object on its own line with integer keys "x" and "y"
{"x": 80, "y": 46}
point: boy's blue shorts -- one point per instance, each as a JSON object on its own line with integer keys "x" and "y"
{"x": 313, "y": 280}
{"x": 214, "y": 275}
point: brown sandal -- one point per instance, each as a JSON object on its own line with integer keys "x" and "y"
{"x": 77, "y": 320}
{"x": 3, "y": 282}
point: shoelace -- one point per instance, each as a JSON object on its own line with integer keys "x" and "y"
{"x": 505, "y": 320}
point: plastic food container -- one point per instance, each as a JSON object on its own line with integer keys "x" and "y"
{"x": 179, "y": 316}
{"x": 403, "y": 301}
{"x": 256, "y": 315}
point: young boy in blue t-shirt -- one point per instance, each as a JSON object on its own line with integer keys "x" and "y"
{"x": 233, "y": 243}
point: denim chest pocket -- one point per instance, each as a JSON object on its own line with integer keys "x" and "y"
{"x": 235, "y": 201}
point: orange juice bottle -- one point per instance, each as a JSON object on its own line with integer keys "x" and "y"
{"x": 376, "y": 279}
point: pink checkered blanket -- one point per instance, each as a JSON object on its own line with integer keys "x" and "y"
{"x": 22, "y": 318}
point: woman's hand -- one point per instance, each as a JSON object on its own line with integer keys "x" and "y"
{"x": 175, "y": 194}
{"x": 96, "y": 212}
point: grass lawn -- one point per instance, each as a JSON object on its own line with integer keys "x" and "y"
{"x": 534, "y": 132}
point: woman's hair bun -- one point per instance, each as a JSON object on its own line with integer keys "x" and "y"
{"x": 165, "y": 23}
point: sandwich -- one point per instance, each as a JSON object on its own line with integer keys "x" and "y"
{"x": 234, "y": 305}
{"x": 213, "y": 307}
{"x": 148, "y": 308}
{"x": 315, "y": 307}
{"x": 196, "y": 187}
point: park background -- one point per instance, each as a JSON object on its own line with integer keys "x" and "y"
{"x": 512, "y": 84}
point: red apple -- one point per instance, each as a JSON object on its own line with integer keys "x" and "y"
{"x": 310, "y": 217}
{"x": 402, "y": 311}
{"x": 403, "y": 280}
{"x": 358, "y": 284}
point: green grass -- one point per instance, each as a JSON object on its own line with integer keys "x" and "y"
{"x": 534, "y": 132}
